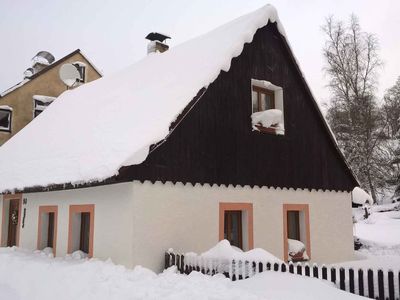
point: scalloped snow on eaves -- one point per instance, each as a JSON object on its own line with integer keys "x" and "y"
{"x": 90, "y": 132}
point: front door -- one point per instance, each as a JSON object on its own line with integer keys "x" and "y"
{"x": 233, "y": 227}
{"x": 13, "y": 215}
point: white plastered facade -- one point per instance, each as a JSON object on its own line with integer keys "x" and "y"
{"x": 134, "y": 223}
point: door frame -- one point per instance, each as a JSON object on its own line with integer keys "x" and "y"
{"x": 8, "y": 197}
{"x": 300, "y": 208}
{"x": 79, "y": 208}
{"x": 48, "y": 209}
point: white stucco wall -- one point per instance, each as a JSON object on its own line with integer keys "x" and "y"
{"x": 113, "y": 219}
{"x": 186, "y": 218}
{"x": 135, "y": 223}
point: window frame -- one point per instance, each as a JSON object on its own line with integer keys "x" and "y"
{"x": 48, "y": 209}
{"x": 81, "y": 208}
{"x": 300, "y": 208}
{"x": 244, "y": 207}
{"x": 2, "y": 129}
{"x": 261, "y": 90}
{"x": 81, "y": 67}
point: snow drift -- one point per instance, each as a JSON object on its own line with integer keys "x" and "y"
{"x": 36, "y": 276}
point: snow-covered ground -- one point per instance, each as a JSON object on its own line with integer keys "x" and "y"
{"x": 380, "y": 236}
{"x": 27, "y": 275}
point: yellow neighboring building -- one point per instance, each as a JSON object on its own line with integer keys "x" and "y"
{"x": 24, "y": 101}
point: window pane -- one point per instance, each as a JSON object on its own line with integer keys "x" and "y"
{"x": 233, "y": 227}
{"x": 5, "y": 119}
{"x": 254, "y": 101}
{"x": 267, "y": 101}
{"x": 293, "y": 225}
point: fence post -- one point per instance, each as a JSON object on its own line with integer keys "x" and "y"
{"x": 391, "y": 285}
{"x": 234, "y": 270}
{"x": 178, "y": 262}
{"x": 276, "y": 267}
{"x": 254, "y": 267}
{"x": 283, "y": 267}
{"x": 291, "y": 267}
{"x": 260, "y": 267}
{"x": 166, "y": 261}
{"x": 172, "y": 259}
{"x": 299, "y": 269}
{"x": 371, "y": 293}
{"x": 182, "y": 263}
{"x": 315, "y": 271}
{"x": 341, "y": 279}
{"x": 398, "y": 278}
{"x": 381, "y": 288}
{"x": 360, "y": 282}
{"x": 307, "y": 270}
{"x": 351, "y": 280}
{"x": 324, "y": 273}
{"x": 246, "y": 267}
{"x": 333, "y": 275}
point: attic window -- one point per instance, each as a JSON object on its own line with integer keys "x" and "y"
{"x": 81, "y": 67}
{"x": 5, "y": 118}
{"x": 267, "y": 107}
{"x": 40, "y": 103}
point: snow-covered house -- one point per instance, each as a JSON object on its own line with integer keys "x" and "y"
{"x": 219, "y": 137}
{"x": 41, "y": 85}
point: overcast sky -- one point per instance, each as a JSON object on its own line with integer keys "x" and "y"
{"x": 111, "y": 33}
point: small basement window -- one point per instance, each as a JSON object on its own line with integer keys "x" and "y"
{"x": 81, "y": 222}
{"x": 5, "y": 118}
{"x": 267, "y": 107}
{"x": 297, "y": 232}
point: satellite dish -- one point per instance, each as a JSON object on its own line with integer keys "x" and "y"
{"x": 69, "y": 74}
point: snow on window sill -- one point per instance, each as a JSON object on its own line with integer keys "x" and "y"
{"x": 271, "y": 130}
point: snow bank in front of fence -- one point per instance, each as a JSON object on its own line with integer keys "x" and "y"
{"x": 224, "y": 251}
{"x": 27, "y": 275}
{"x": 284, "y": 286}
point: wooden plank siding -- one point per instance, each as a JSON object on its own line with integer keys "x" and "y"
{"x": 215, "y": 143}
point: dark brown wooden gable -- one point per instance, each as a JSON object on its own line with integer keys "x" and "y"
{"x": 214, "y": 142}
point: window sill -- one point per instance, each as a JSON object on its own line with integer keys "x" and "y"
{"x": 269, "y": 130}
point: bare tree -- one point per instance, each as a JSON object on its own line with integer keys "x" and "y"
{"x": 391, "y": 106}
{"x": 352, "y": 63}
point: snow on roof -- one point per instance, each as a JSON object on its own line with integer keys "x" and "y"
{"x": 14, "y": 87}
{"x": 90, "y": 132}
